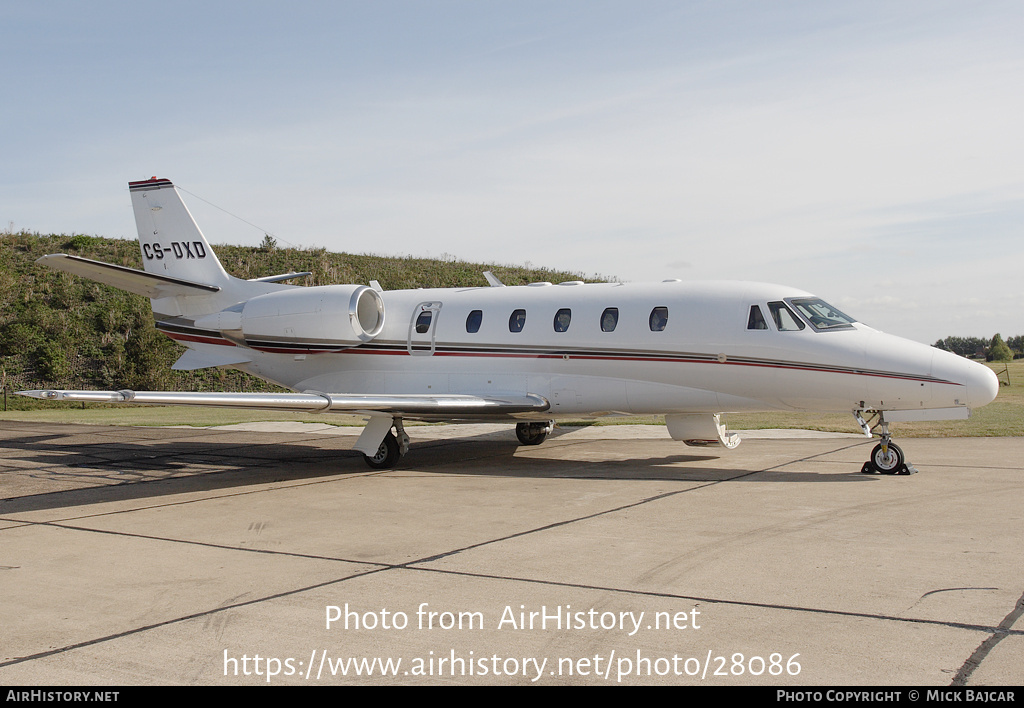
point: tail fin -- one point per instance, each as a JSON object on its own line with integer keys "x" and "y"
{"x": 171, "y": 242}
{"x": 183, "y": 278}
{"x": 174, "y": 248}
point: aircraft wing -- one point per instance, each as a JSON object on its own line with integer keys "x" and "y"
{"x": 139, "y": 282}
{"x": 413, "y": 406}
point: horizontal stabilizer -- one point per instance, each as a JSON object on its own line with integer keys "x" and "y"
{"x": 150, "y": 285}
{"x": 280, "y": 278}
{"x": 192, "y": 359}
{"x": 411, "y": 405}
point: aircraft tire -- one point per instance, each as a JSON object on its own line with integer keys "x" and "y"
{"x": 887, "y": 464}
{"x": 387, "y": 455}
{"x": 531, "y": 433}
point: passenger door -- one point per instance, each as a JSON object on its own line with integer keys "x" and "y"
{"x": 422, "y": 327}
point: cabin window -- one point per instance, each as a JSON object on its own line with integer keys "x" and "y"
{"x": 609, "y": 319}
{"x": 516, "y": 321}
{"x": 423, "y": 322}
{"x": 658, "y": 319}
{"x": 474, "y": 320}
{"x": 562, "y": 319}
{"x": 784, "y": 318}
{"x": 756, "y": 319}
{"x": 820, "y": 314}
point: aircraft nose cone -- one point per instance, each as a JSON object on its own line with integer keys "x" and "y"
{"x": 982, "y": 385}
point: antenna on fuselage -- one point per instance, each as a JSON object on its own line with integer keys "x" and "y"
{"x": 492, "y": 280}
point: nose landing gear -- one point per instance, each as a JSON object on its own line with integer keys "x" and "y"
{"x": 886, "y": 457}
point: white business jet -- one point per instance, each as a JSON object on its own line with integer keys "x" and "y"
{"x": 529, "y": 354}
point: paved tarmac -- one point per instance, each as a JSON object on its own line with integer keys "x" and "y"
{"x": 140, "y": 556}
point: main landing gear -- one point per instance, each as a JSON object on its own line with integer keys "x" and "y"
{"x": 396, "y": 442}
{"x": 534, "y": 433}
{"x": 886, "y": 456}
{"x": 391, "y": 449}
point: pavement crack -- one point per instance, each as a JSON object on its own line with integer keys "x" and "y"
{"x": 984, "y": 649}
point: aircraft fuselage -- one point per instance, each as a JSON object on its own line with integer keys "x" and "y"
{"x": 551, "y": 340}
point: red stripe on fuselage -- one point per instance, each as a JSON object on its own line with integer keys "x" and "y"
{"x": 589, "y": 357}
{"x": 668, "y": 359}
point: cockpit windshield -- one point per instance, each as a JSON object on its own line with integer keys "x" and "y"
{"x": 820, "y": 314}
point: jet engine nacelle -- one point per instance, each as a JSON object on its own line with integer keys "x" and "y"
{"x": 336, "y": 314}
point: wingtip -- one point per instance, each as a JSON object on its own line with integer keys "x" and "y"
{"x": 51, "y": 256}
{"x": 46, "y": 394}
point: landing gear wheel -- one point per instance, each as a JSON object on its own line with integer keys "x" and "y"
{"x": 387, "y": 455}
{"x": 887, "y": 462}
{"x": 891, "y": 462}
{"x": 532, "y": 433}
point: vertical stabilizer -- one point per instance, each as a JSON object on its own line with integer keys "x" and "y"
{"x": 171, "y": 242}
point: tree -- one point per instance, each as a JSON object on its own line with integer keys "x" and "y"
{"x": 1016, "y": 345}
{"x": 998, "y": 351}
{"x": 964, "y": 346}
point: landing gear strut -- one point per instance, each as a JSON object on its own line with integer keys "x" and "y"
{"x": 392, "y": 448}
{"x": 886, "y": 457}
{"x": 533, "y": 433}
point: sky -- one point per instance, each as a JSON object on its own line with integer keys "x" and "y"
{"x": 871, "y": 153}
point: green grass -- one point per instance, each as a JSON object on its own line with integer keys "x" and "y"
{"x": 1002, "y": 418}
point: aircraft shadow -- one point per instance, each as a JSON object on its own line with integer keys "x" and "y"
{"x": 47, "y": 471}
{"x": 602, "y": 460}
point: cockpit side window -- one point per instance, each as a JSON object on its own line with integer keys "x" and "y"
{"x": 820, "y": 314}
{"x": 785, "y": 320}
{"x": 756, "y": 320}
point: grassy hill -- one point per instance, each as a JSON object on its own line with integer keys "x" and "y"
{"x": 62, "y": 331}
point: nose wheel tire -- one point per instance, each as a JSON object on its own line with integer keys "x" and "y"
{"x": 891, "y": 461}
{"x": 887, "y": 462}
